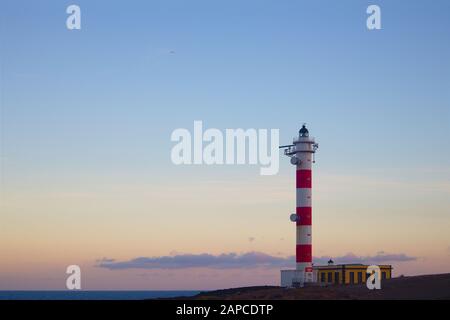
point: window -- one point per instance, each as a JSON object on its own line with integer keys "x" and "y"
{"x": 352, "y": 277}
{"x": 330, "y": 277}
{"x": 336, "y": 277}
{"x": 359, "y": 277}
{"x": 322, "y": 277}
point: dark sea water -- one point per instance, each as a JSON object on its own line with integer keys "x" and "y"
{"x": 92, "y": 295}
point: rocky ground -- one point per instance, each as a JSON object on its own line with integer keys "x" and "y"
{"x": 415, "y": 287}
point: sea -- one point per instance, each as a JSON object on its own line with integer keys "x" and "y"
{"x": 93, "y": 295}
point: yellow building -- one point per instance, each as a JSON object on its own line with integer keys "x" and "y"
{"x": 347, "y": 273}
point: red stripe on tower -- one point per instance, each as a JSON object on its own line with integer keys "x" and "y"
{"x": 304, "y": 178}
{"x": 304, "y": 253}
{"x": 304, "y": 216}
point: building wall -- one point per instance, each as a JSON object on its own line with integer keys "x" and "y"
{"x": 348, "y": 274}
{"x": 291, "y": 277}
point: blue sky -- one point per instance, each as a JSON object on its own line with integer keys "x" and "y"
{"x": 97, "y": 106}
{"x": 114, "y": 89}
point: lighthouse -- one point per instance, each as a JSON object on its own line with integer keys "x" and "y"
{"x": 301, "y": 153}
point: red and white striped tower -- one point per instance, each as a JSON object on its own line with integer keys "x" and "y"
{"x": 302, "y": 156}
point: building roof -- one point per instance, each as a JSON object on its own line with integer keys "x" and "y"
{"x": 350, "y": 265}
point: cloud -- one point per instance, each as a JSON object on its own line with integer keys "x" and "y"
{"x": 233, "y": 260}
{"x": 180, "y": 261}
{"x": 106, "y": 260}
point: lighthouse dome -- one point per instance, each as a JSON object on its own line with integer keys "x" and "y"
{"x": 303, "y": 132}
